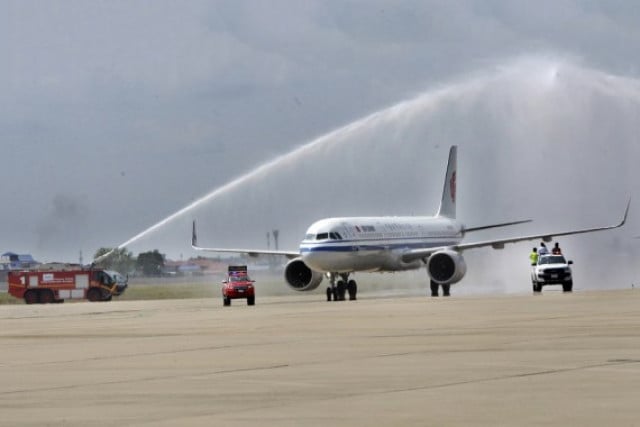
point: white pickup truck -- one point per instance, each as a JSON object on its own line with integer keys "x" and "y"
{"x": 552, "y": 270}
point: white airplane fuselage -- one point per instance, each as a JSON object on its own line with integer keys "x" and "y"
{"x": 343, "y": 245}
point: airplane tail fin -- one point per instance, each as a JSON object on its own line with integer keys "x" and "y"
{"x": 448, "y": 203}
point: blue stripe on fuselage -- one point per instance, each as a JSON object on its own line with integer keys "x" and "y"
{"x": 329, "y": 247}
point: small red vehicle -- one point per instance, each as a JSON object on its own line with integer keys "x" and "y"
{"x": 238, "y": 285}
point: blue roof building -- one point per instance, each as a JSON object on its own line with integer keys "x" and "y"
{"x": 13, "y": 261}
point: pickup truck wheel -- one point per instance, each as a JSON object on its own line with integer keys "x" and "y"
{"x": 536, "y": 287}
{"x": 226, "y": 301}
{"x": 31, "y": 297}
{"x": 251, "y": 300}
{"x": 567, "y": 287}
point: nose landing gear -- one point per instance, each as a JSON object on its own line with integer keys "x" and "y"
{"x": 339, "y": 289}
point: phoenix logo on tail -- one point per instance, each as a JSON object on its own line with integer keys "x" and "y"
{"x": 339, "y": 247}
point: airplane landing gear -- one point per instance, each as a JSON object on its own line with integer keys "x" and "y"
{"x": 338, "y": 290}
{"x": 434, "y": 289}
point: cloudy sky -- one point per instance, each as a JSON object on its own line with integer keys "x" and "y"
{"x": 117, "y": 114}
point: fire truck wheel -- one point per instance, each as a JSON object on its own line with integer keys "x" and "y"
{"x": 46, "y": 297}
{"x": 31, "y": 297}
{"x": 93, "y": 295}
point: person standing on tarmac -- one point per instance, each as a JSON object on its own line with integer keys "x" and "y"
{"x": 556, "y": 249}
{"x": 533, "y": 256}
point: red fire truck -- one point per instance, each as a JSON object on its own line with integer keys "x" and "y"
{"x": 47, "y": 286}
{"x": 238, "y": 285}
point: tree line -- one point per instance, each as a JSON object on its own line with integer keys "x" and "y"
{"x": 149, "y": 263}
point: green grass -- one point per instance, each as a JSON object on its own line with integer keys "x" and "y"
{"x": 8, "y": 299}
{"x": 169, "y": 291}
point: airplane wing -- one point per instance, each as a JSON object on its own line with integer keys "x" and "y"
{"x": 250, "y": 252}
{"x": 416, "y": 254}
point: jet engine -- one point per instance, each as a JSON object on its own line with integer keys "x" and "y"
{"x": 446, "y": 267}
{"x": 299, "y": 277}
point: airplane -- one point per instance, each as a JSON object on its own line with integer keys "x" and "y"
{"x": 339, "y": 247}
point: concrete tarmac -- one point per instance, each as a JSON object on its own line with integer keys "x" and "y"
{"x": 554, "y": 359}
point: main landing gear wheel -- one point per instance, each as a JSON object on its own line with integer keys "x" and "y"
{"x": 434, "y": 288}
{"x": 446, "y": 289}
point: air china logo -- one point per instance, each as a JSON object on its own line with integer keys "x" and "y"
{"x": 452, "y": 187}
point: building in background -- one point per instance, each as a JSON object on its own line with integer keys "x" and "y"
{"x": 13, "y": 261}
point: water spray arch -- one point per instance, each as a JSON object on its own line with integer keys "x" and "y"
{"x": 533, "y": 118}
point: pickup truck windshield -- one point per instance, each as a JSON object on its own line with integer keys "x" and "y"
{"x": 552, "y": 259}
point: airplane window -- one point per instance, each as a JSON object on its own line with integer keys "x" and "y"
{"x": 338, "y": 236}
{"x": 323, "y": 236}
{"x": 310, "y": 237}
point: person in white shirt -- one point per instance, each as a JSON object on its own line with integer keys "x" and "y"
{"x": 542, "y": 250}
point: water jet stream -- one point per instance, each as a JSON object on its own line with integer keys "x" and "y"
{"x": 470, "y": 91}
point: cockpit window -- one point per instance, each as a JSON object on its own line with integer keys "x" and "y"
{"x": 323, "y": 236}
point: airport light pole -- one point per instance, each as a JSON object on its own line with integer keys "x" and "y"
{"x": 275, "y": 238}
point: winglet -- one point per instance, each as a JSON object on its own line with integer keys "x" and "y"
{"x": 626, "y": 213}
{"x": 448, "y": 202}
